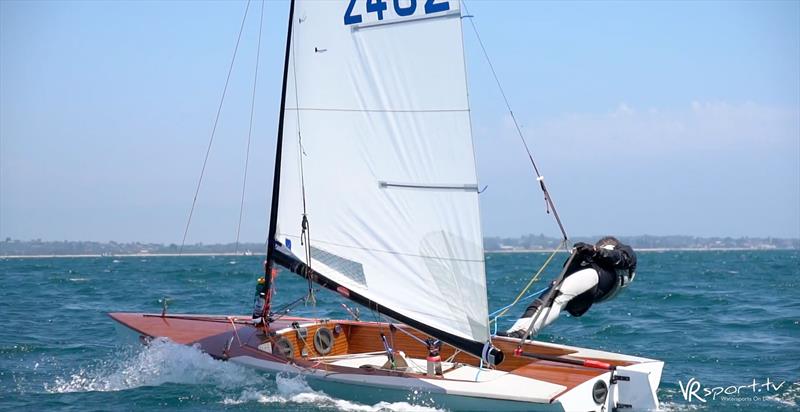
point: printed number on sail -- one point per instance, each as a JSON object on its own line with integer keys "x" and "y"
{"x": 402, "y": 8}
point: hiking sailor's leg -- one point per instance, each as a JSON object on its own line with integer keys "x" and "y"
{"x": 575, "y": 284}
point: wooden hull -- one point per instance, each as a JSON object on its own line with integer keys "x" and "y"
{"x": 356, "y": 358}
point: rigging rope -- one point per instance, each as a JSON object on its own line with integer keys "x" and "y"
{"x": 547, "y": 300}
{"x": 549, "y": 204}
{"x": 285, "y": 309}
{"x": 250, "y": 129}
{"x": 547, "y": 198}
{"x": 214, "y": 128}
{"x": 530, "y": 283}
{"x": 305, "y": 234}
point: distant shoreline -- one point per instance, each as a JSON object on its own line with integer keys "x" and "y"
{"x": 664, "y": 249}
{"x": 37, "y": 248}
{"x": 231, "y": 254}
{"x": 130, "y": 255}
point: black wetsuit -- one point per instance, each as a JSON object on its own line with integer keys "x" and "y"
{"x": 609, "y": 264}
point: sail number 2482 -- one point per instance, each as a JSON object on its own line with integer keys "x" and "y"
{"x": 407, "y": 8}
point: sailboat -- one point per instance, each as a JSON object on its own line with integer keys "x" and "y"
{"x": 375, "y": 197}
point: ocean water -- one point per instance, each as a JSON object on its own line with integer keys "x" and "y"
{"x": 722, "y": 319}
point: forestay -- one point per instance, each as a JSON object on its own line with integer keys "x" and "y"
{"x": 377, "y": 108}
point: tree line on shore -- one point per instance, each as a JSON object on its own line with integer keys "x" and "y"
{"x": 12, "y": 247}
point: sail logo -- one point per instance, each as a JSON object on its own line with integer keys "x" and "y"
{"x": 693, "y": 390}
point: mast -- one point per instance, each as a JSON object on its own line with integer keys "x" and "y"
{"x": 276, "y": 178}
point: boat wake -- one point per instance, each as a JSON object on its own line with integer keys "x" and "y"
{"x": 293, "y": 389}
{"x": 165, "y": 362}
{"x": 158, "y": 363}
{"x": 680, "y": 407}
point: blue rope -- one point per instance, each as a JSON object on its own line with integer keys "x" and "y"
{"x": 525, "y": 298}
{"x": 522, "y": 299}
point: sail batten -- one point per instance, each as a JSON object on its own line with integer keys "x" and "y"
{"x": 380, "y": 162}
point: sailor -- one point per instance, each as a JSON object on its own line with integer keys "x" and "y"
{"x": 597, "y": 273}
{"x": 259, "y": 300}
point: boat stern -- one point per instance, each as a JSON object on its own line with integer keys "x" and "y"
{"x": 636, "y": 385}
{"x": 628, "y": 388}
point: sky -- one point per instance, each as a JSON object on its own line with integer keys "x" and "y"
{"x": 658, "y": 118}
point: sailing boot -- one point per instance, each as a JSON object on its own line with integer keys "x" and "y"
{"x": 521, "y": 325}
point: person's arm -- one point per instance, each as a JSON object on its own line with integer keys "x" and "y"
{"x": 622, "y": 257}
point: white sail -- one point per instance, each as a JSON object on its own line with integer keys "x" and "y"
{"x": 377, "y": 107}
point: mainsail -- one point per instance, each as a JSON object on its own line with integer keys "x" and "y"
{"x": 377, "y": 155}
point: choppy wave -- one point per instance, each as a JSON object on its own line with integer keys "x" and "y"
{"x": 161, "y": 362}
{"x": 680, "y": 407}
{"x": 164, "y": 362}
{"x": 789, "y": 398}
{"x": 293, "y": 389}
{"x": 733, "y": 327}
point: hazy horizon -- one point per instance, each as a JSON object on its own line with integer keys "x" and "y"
{"x": 645, "y": 118}
{"x": 226, "y": 242}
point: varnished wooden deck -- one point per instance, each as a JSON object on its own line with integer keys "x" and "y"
{"x": 221, "y": 338}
